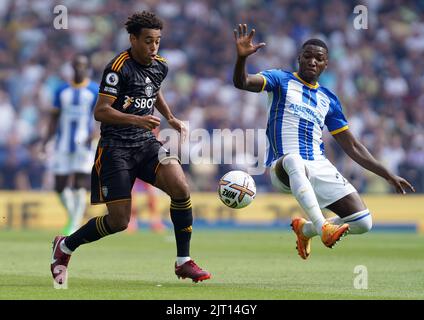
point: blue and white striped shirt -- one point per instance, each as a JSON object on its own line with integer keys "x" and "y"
{"x": 76, "y": 104}
{"x": 298, "y": 112}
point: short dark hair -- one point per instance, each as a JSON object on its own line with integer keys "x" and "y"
{"x": 140, "y": 20}
{"x": 315, "y": 42}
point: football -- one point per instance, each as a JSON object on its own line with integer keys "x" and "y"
{"x": 237, "y": 189}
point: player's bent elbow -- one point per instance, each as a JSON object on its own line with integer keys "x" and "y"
{"x": 239, "y": 84}
{"x": 100, "y": 113}
{"x": 97, "y": 115}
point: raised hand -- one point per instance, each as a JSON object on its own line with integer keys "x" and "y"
{"x": 244, "y": 44}
{"x": 400, "y": 184}
{"x": 180, "y": 127}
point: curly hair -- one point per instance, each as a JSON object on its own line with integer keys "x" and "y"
{"x": 316, "y": 42}
{"x": 140, "y": 20}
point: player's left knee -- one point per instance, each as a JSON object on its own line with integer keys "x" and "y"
{"x": 117, "y": 223}
{"x": 362, "y": 225}
{"x": 180, "y": 190}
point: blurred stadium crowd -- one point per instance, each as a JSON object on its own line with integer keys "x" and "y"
{"x": 378, "y": 73}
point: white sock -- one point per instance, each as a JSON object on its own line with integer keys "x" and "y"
{"x": 182, "y": 260}
{"x": 359, "y": 222}
{"x": 336, "y": 220}
{"x": 302, "y": 189}
{"x": 80, "y": 197}
{"x": 309, "y": 229}
{"x": 64, "y": 248}
{"x": 67, "y": 199}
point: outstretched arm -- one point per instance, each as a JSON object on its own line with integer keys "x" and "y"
{"x": 359, "y": 153}
{"x": 245, "y": 48}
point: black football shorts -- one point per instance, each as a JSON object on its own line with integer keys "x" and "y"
{"x": 116, "y": 168}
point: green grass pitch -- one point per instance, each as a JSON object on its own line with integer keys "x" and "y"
{"x": 244, "y": 265}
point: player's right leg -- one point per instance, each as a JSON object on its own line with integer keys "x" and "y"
{"x": 171, "y": 179}
{"x": 291, "y": 166}
{"x": 164, "y": 171}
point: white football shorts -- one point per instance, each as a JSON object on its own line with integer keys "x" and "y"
{"x": 80, "y": 161}
{"x": 329, "y": 185}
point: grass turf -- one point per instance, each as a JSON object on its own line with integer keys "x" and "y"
{"x": 244, "y": 265}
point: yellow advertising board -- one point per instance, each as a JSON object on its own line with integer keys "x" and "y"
{"x": 43, "y": 210}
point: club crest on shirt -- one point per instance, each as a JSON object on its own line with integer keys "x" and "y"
{"x": 105, "y": 191}
{"x": 148, "y": 90}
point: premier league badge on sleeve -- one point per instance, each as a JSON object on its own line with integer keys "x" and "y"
{"x": 112, "y": 79}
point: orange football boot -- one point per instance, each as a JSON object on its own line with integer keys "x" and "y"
{"x": 303, "y": 243}
{"x": 331, "y": 233}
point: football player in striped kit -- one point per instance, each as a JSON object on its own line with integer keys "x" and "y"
{"x": 299, "y": 109}
{"x": 72, "y": 122}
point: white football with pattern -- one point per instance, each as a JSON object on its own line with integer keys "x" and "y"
{"x": 237, "y": 189}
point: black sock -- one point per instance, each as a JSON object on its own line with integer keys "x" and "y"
{"x": 93, "y": 230}
{"x": 182, "y": 218}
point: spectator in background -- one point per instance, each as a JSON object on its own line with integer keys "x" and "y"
{"x": 8, "y": 115}
{"x": 72, "y": 124}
